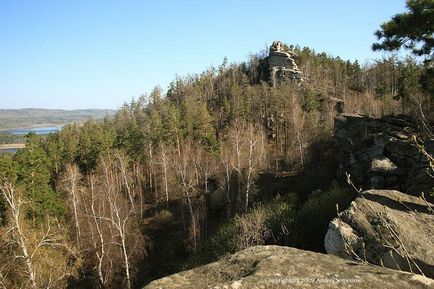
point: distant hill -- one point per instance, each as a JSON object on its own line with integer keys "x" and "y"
{"x": 31, "y": 117}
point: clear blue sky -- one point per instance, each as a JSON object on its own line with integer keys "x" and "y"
{"x": 98, "y": 54}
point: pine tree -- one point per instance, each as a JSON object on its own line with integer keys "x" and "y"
{"x": 203, "y": 129}
{"x": 412, "y": 30}
{"x": 34, "y": 175}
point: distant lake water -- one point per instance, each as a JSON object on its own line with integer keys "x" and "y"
{"x": 36, "y": 130}
{"x": 12, "y": 150}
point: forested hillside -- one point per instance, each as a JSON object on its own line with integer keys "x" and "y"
{"x": 220, "y": 162}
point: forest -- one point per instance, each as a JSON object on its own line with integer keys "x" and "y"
{"x": 219, "y": 162}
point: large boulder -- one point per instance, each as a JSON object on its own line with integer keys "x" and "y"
{"x": 387, "y": 228}
{"x": 284, "y": 267}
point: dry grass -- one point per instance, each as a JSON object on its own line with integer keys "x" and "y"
{"x": 369, "y": 104}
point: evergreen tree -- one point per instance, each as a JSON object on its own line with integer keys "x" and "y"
{"x": 156, "y": 126}
{"x": 203, "y": 129}
{"x": 8, "y": 174}
{"x": 187, "y": 118}
{"x": 132, "y": 140}
{"x": 409, "y": 80}
{"x": 34, "y": 175}
{"x": 411, "y": 30}
{"x": 171, "y": 125}
{"x": 90, "y": 145}
{"x": 156, "y": 95}
{"x": 68, "y": 142}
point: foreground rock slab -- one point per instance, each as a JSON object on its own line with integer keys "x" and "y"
{"x": 386, "y": 227}
{"x": 285, "y": 267}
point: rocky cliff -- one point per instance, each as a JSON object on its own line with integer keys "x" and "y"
{"x": 386, "y": 228}
{"x": 284, "y": 267}
{"x": 393, "y": 224}
{"x": 281, "y": 64}
{"x": 383, "y": 154}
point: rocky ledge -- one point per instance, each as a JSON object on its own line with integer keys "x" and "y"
{"x": 386, "y": 228}
{"x": 383, "y": 154}
{"x": 284, "y": 267}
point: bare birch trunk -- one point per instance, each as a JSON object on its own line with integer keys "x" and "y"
{"x": 73, "y": 192}
{"x": 164, "y": 165}
{"x": 96, "y": 217}
{"x": 14, "y": 202}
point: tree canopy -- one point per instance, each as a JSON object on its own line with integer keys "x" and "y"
{"x": 411, "y": 30}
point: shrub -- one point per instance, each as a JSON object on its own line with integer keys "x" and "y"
{"x": 317, "y": 212}
{"x": 252, "y": 228}
{"x": 281, "y": 215}
{"x": 224, "y": 241}
{"x": 163, "y": 217}
{"x": 271, "y": 222}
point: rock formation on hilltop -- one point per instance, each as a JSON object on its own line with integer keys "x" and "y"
{"x": 284, "y": 267}
{"x": 387, "y": 228}
{"x": 281, "y": 64}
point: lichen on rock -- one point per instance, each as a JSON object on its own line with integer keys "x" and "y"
{"x": 388, "y": 228}
{"x": 285, "y": 267}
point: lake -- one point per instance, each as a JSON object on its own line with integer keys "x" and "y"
{"x": 11, "y": 150}
{"x": 36, "y": 130}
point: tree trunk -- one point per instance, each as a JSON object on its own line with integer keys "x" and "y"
{"x": 8, "y": 192}
{"x": 164, "y": 164}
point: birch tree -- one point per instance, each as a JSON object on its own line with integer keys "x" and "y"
{"x": 184, "y": 168}
{"x": 42, "y": 256}
{"x": 70, "y": 182}
{"x": 113, "y": 235}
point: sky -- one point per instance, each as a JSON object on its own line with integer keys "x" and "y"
{"x": 101, "y": 53}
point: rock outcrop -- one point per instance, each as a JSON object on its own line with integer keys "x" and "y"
{"x": 387, "y": 228}
{"x": 284, "y": 267}
{"x": 382, "y": 154}
{"x": 281, "y": 64}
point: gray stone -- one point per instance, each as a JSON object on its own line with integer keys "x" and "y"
{"x": 284, "y": 267}
{"x": 399, "y": 172}
{"x": 402, "y": 149}
{"x": 381, "y": 153}
{"x": 349, "y": 160}
{"x": 386, "y": 228}
{"x": 377, "y": 182}
{"x": 371, "y": 152}
{"x": 382, "y": 165}
{"x": 399, "y": 122}
{"x": 281, "y": 64}
{"x": 341, "y": 238}
{"x": 382, "y": 139}
{"x": 391, "y": 180}
{"x": 351, "y": 130}
{"x": 421, "y": 179}
{"x": 398, "y": 135}
{"x": 345, "y": 120}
